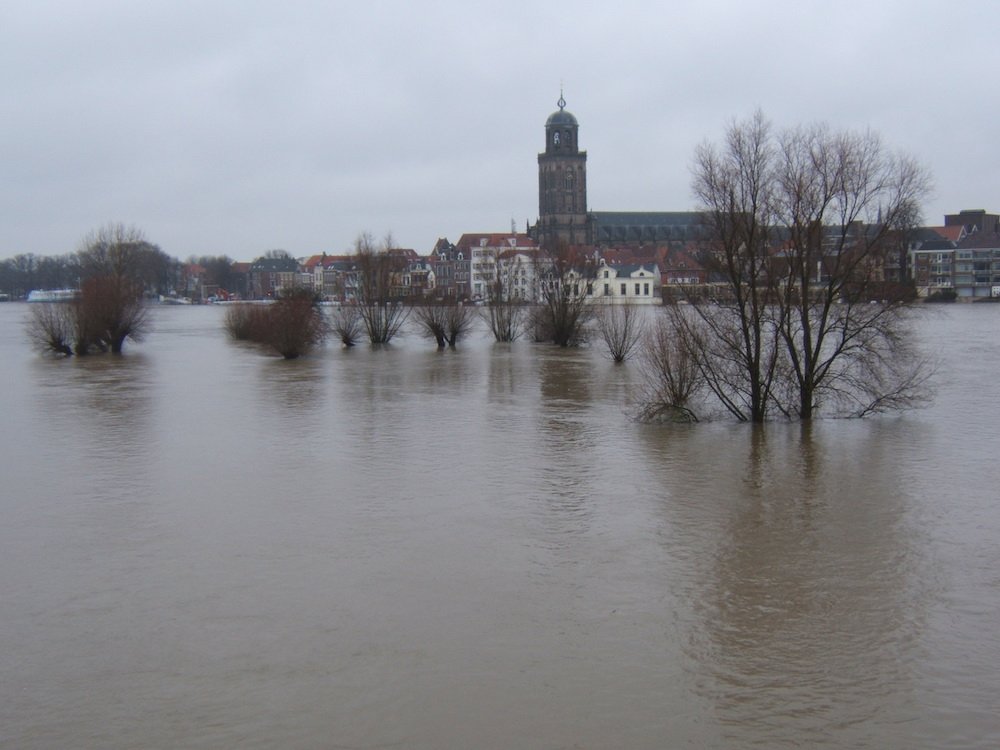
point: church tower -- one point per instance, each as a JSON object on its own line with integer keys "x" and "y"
{"x": 562, "y": 182}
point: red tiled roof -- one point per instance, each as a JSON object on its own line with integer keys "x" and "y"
{"x": 954, "y": 233}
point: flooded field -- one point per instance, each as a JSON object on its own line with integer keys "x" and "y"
{"x": 206, "y": 547}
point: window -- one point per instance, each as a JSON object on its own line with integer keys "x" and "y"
{"x": 645, "y": 289}
{"x": 605, "y": 273}
{"x": 607, "y": 290}
{"x": 624, "y": 291}
{"x": 637, "y": 288}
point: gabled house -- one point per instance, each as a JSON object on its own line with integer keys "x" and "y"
{"x": 268, "y": 276}
{"x": 626, "y": 283}
{"x": 977, "y": 265}
{"x": 451, "y": 274}
{"x": 482, "y": 252}
{"x": 932, "y": 266}
{"x": 326, "y": 275}
{"x": 416, "y": 279}
{"x": 679, "y": 267}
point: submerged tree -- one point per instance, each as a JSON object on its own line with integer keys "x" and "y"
{"x": 734, "y": 341}
{"x": 844, "y": 198}
{"x": 671, "y": 370}
{"x": 292, "y": 326}
{"x": 113, "y": 310}
{"x": 505, "y": 311}
{"x": 445, "y": 322}
{"x": 347, "y": 325}
{"x": 621, "y": 328}
{"x": 565, "y": 275}
{"x": 381, "y": 314}
{"x": 51, "y": 327}
{"x": 295, "y": 323}
{"x": 798, "y": 229}
{"x": 244, "y": 321}
{"x": 109, "y": 310}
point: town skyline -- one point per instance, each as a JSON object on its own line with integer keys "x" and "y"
{"x": 238, "y": 131}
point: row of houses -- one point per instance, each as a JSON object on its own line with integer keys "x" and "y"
{"x": 467, "y": 270}
{"x": 961, "y": 257}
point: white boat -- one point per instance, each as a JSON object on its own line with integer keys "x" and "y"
{"x": 52, "y": 295}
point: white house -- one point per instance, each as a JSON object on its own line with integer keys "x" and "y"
{"x": 483, "y": 252}
{"x": 627, "y": 284}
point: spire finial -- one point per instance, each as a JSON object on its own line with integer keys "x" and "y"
{"x": 562, "y": 101}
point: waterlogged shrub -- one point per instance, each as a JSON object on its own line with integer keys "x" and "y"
{"x": 107, "y": 312}
{"x": 347, "y": 324}
{"x": 243, "y": 319}
{"x": 295, "y": 324}
{"x": 50, "y": 327}
{"x": 292, "y": 326}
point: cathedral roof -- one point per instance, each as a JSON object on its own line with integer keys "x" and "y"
{"x": 610, "y": 227}
{"x": 650, "y": 218}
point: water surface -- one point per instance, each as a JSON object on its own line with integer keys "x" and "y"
{"x": 206, "y": 547}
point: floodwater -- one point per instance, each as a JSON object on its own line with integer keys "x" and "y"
{"x": 205, "y": 547}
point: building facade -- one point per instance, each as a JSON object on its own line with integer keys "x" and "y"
{"x": 563, "y": 215}
{"x": 562, "y": 182}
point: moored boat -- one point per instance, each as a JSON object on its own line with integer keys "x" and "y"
{"x": 53, "y": 295}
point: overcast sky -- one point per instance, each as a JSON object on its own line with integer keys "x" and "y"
{"x": 241, "y": 126}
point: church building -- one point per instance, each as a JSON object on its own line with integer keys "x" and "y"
{"x": 563, "y": 215}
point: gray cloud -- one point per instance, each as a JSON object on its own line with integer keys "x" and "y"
{"x": 240, "y": 126}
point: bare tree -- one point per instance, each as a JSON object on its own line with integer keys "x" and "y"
{"x": 621, "y": 328}
{"x": 109, "y": 309}
{"x": 565, "y": 275}
{"x": 115, "y": 261}
{"x": 381, "y": 314}
{"x": 347, "y": 324}
{"x": 670, "y": 367}
{"x": 244, "y": 321}
{"x": 51, "y": 326}
{"x": 113, "y": 311}
{"x": 504, "y": 311}
{"x": 113, "y": 250}
{"x": 844, "y": 198}
{"x": 444, "y": 322}
{"x": 292, "y": 326}
{"x": 295, "y": 323}
{"x": 736, "y": 339}
{"x": 800, "y": 225}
